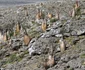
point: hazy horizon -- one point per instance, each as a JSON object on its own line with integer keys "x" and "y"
{"x": 17, "y": 2}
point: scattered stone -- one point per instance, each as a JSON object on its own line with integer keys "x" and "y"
{"x": 40, "y": 45}
{"x": 16, "y": 44}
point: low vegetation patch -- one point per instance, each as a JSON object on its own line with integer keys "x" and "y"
{"x": 82, "y": 55}
{"x": 53, "y": 20}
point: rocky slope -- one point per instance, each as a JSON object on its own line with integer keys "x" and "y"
{"x": 14, "y": 55}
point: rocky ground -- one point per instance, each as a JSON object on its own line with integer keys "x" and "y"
{"x": 15, "y": 56}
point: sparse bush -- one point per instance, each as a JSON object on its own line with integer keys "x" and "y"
{"x": 53, "y": 20}
{"x": 13, "y": 58}
{"x": 82, "y": 56}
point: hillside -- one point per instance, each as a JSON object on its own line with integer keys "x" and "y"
{"x": 31, "y": 34}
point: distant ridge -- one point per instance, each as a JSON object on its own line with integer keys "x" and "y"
{"x": 17, "y": 2}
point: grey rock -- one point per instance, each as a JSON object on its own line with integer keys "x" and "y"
{"x": 80, "y": 32}
{"x": 78, "y": 69}
{"x": 2, "y": 69}
{"x": 61, "y": 68}
{"x": 58, "y": 49}
{"x": 42, "y": 45}
{"x": 23, "y": 48}
{"x": 75, "y": 63}
{"x": 83, "y": 67}
{"x": 74, "y": 56}
{"x": 38, "y": 29}
{"x": 77, "y": 27}
{"x": 66, "y": 28}
{"x": 56, "y": 25}
{"x": 74, "y": 33}
{"x": 31, "y": 51}
{"x": 55, "y": 31}
{"x": 45, "y": 35}
{"x": 16, "y": 44}
{"x": 2, "y": 62}
{"x": 59, "y": 35}
{"x": 67, "y": 34}
{"x": 51, "y": 33}
{"x": 2, "y": 52}
{"x": 65, "y": 58}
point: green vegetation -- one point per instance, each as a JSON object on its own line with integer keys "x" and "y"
{"x": 22, "y": 55}
{"x": 82, "y": 37}
{"x": 34, "y": 34}
{"x": 53, "y": 20}
{"x": 13, "y": 58}
{"x": 15, "y": 33}
{"x": 78, "y": 13}
{"x": 43, "y": 16}
{"x": 11, "y": 34}
{"x": 71, "y": 69}
{"x": 82, "y": 56}
{"x": 33, "y": 22}
{"x": 69, "y": 39}
{"x": 1, "y": 47}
